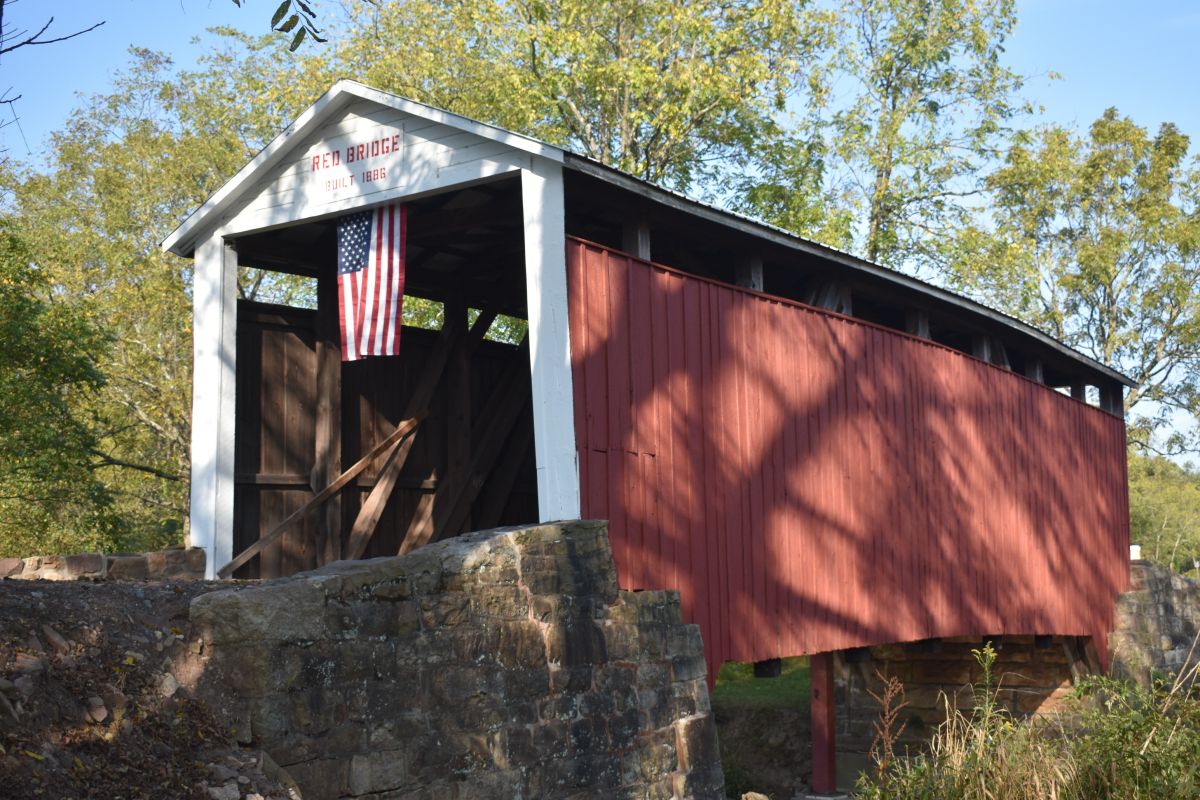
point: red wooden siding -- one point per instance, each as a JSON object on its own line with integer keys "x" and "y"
{"x": 810, "y": 482}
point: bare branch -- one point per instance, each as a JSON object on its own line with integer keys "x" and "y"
{"x": 34, "y": 39}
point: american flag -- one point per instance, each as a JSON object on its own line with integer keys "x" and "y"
{"x": 371, "y": 281}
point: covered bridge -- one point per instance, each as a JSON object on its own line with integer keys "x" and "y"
{"x": 817, "y": 452}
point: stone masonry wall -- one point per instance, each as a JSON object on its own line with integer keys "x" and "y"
{"x": 1031, "y": 676}
{"x": 176, "y": 563}
{"x": 502, "y": 664}
{"x": 1157, "y": 624}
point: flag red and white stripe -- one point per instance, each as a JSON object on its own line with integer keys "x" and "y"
{"x": 371, "y": 281}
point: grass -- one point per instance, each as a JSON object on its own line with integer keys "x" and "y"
{"x": 737, "y": 686}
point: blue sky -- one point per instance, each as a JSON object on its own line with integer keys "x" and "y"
{"x": 1142, "y": 57}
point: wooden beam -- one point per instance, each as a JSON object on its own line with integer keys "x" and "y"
{"x": 504, "y": 476}
{"x": 750, "y": 272}
{"x": 482, "y": 465}
{"x": 1079, "y": 390}
{"x": 435, "y": 513}
{"x": 372, "y": 507}
{"x": 403, "y": 430}
{"x": 418, "y": 405}
{"x": 833, "y": 296}
{"x": 824, "y": 749}
{"x": 458, "y": 402}
{"x": 327, "y": 455}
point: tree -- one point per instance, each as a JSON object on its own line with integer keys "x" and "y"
{"x": 922, "y": 97}
{"x": 667, "y": 91}
{"x": 124, "y": 170}
{"x": 1164, "y": 511}
{"x": 49, "y": 493}
{"x": 1097, "y": 241}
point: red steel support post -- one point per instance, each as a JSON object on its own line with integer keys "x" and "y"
{"x": 824, "y": 753}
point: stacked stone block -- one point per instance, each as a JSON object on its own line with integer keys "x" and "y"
{"x": 1157, "y": 624}
{"x": 175, "y": 563}
{"x": 499, "y": 664}
{"x": 1028, "y": 679}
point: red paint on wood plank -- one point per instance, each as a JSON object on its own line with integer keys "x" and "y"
{"x": 810, "y": 482}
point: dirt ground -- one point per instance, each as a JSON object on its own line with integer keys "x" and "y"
{"x": 89, "y": 709}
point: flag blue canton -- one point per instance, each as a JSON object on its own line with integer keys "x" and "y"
{"x": 354, "y": 242}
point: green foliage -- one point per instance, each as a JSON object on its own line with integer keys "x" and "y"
{"x": 49, "y": 494}
{"x": 666, "y": 91}
{"x": 123, "y": 171}
{"x": 737, "y": 686}
{"x": 1096, "y": 239}
{"x": 1119, "y": 742}
{"x": 1164, "y": 511}
{"x": 883, "y": 164}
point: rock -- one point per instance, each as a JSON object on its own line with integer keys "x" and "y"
{"x": 114, "y": 698}
{"x": 11, "y": 566}
{"x": 227, "y": 792}
{"x": 221, "y": 773}
{"x": 97, "y": 713}
{"x": 86, "y": 566}
{"x": 167, "y": 685}
{"x": 57, "y": 641}
{"x": 27, "y": 663}
{"x": 754, "y": 796}
{"x": 127, "y": 568}
{"x": 24, "y": 685}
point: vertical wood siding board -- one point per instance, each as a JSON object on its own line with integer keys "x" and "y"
{"x": 639, "y": 337}
{"x": 673, "y": 408}
{"x": 900, "y": 463}
{"x": 600, "y": 336}
{"x": 862, "y": 396}
{"x": 851, "y": 535}
{"x": 729, "y": 570}
{"x": 791, "y": 365}
{"x": 272, "y": 407}
{"x": 924, "y": 394}
{"x": 802, "y": 536}
{"x": 577, "y": 324}
{"x": 991, "y": 449}
{"x": 1019, "y": 476}
{"x": 778, "y": 558}
{"x": 693, "y": 445}
{"x": 663, "y": 504}
{"x": 759, "y": 428}
{"x": 828, "y": 481}
{"x": 722, "y": 424}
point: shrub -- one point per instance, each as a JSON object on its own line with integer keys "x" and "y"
{"x": 1119, "y": 742}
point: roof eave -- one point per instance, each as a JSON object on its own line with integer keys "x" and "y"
{"x": 781, "y": 237}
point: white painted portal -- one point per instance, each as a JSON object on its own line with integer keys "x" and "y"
{"x": 356, "y": 148}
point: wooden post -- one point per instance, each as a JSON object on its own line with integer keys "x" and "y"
{"x": 981, "y": 348}
{"x": 1079, "y": 390}
{"x": 458, "y": 403}
{"x": 544, "y": 214}
{"x": 1034, "y": 370}
{"x": 824, "y": 751}
{"x": 1112, "y": 398}
{"x": 214, "y": 362}
{"x": 327, "y": 461}
{"x": 750, "y": 272}
{"x": 916, "y": 322}
{"x": 635, "y": 238}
